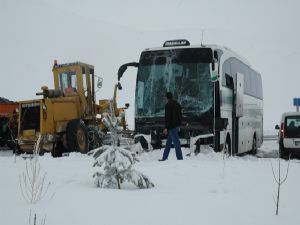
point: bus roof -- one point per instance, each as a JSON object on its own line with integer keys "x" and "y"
{"x": 212, "y": 46}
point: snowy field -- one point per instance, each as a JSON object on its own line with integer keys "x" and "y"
{"x": 204, "y": 189}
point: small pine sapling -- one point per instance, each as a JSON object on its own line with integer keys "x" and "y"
{"x": 117, "y": 167}
{"x": 116, "y": 162}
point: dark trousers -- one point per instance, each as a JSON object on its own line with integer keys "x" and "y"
{"x": 173, "y": 137}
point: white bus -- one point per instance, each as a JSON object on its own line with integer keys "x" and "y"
{"x": 220, "y": 94}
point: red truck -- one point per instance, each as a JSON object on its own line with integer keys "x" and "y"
{"x": 8, "y": 122}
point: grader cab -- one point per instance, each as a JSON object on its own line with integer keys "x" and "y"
{"x": 66, "y": 116}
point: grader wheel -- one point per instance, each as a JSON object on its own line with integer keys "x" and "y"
{"x": 77, "y": 136}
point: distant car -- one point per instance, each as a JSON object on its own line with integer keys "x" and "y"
{"x": 289, "y": 134}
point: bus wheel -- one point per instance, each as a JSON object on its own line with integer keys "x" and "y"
{"x": 227, "y": 149}
{"x": 144, "y": 143}
{"x": 254, "y": 146}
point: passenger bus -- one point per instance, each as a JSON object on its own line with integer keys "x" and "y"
{"x": 219, "y": 91}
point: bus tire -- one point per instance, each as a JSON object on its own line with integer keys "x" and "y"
{"x": 228, "y": 146}
{"x": 77, "y": 136}
{"x": 143, "y": 142}
{"x": 254, "y": 146}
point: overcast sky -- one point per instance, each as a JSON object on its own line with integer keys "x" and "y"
{"x": 110, "y": 33}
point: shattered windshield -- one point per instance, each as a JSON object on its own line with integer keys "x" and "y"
{"x": 184, "y": 72}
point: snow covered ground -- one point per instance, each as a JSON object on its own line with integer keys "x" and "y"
{"x": 204, "y": 189}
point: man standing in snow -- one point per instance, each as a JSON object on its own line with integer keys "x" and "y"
{"x": 173, "y": 118}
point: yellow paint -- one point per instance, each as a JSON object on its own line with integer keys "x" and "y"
{"x": 29, "y": 133}
{"x": 56, "y": 112}
{"x": 68, "y": 103}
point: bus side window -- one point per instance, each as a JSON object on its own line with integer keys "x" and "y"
{"x": 253, "y": 83}
{"x": 247, "y": 82}
{"x": 229, "y": 81}
{"x": 225, "y": 70}
{"x": 259, "y": 86}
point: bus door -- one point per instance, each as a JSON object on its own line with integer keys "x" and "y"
{"x": 237, "y": 112}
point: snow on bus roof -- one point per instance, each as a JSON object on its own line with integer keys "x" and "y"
{"x": 212, "y": 46}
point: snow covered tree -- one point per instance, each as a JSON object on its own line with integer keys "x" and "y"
{"x": 116, "y": 162}
{"x": 117, "y": 167}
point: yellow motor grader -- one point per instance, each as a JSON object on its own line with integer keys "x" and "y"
{"x": 67, "y": 116}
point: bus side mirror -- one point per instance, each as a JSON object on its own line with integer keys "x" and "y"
{"x": 123, "y": 68}
{"x": 215, "y": 61}
{"x": 119, "y": 86}
{"x": 214, "y": 71}
{"x": 277, "y": 127}
{"x": 216, "y": 55}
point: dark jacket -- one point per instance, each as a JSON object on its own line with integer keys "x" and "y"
{"x": 173, "y": 115}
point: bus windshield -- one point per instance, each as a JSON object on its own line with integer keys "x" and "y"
{"x": 184, "y": 72}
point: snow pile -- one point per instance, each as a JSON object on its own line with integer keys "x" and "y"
{"x": 117, "y": 168}
{"x": 204, "y": 189}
